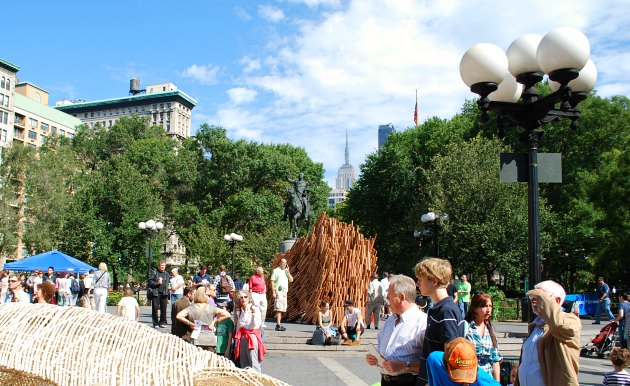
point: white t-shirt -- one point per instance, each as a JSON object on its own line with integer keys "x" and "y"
{"x": 88, "y": 280}
{"x": 128, "y": 304}
{"x": 352, "y": 317}
{"x": 63, "y": 285}
{"x": 36, "y": 283}
{"x": 177, "y": 281}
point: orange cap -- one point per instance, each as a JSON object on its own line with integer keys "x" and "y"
{"x": 460, "y": 360}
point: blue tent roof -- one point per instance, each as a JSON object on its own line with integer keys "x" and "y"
{"x": 56, "y": 259}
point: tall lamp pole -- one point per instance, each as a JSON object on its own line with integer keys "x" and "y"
{"x": 152, "y": 227}
{"x": 432, "y": 218}
{"x": 232, "y": 240}
{"x": 500, "y": 78}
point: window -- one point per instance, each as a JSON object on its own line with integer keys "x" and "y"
{"x": 168, "y": 116}
{"x": 70, "y": 135}
{"x": 161, "y": 105}
{"x": 31, "y": 145}
{"x": 44, "y": 126}
{"x": 62, "y": 133}
{"x": 110, "y": 123}
{"x": 168, "y": 127}
{"x": 3, "y": 136}
{"x": 154, "y": 117}
{"x": 6, "y": 101}
{"x": 1, "y": 99}
{"x": 5, "y": 119}
{"x": 85, "y": 115}
{"x": 33, "y": 122}
{"x": 42, "y": 138}
{"x": 2, "y": 82}
{"x": 98, "y": 114}
{"x": 161, "y": 116}
{"x": 9, "y": 84}
{"x": 168, "y": 105}
{"x": 91, "y": 115}
{"x": 53, "y": 130}
{"x": 32, "y": 135}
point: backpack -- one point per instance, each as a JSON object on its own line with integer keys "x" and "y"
{"x": 224, "y": 285}
{"x": 74, "y": 286}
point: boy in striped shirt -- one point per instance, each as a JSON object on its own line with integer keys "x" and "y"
{"x": 620, "y": 358}
{"x": 444, "y": 320}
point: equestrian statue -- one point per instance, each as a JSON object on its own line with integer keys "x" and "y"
{"x": 297, "y": 206}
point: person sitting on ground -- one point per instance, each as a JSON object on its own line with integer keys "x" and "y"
{"x": 45, "y": 293}
{"x": 444, "y": 321}
{"x": 200, "y": 311}
{"x": 324, "y": 332}
{"x": 620, "y": 358}
{"x": 480, "y": 332}
{"x": 352, "y": 324}
{"x": 128, "y": 306}
{"x": 551, "y": 352}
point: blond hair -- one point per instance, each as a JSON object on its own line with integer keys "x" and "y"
{"x": 433, "y": 268}
{"x": 200, "y": 297}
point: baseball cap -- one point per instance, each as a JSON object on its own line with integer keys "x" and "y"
{"x": 348, "y": 303}
{"x": 460, "y": 360}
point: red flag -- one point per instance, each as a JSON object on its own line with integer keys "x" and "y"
{"x": 415, "y": 112}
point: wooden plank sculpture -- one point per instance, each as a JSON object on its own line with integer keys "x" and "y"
{"x": 50, "y": 345}
{"x": 333, "y": 262}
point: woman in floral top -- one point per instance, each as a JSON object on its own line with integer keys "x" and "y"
{"x": 479, "y": 331}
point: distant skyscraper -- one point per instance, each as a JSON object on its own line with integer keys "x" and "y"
{"x": 383, "y": 133}
{"x": 345, "y": 180}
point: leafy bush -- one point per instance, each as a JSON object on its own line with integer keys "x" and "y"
{"x": 114, "y": 297}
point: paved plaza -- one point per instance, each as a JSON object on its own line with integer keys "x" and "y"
{"x": 303, "y": 369}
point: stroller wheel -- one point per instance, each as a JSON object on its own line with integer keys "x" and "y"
{"x": 600, "y": 355}
{"x": 583, "y": 352}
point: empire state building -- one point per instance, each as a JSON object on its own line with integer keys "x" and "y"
{"x": 345, "y": 180}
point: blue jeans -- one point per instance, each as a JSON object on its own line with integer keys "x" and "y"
{"x": 463, "y": 308}
{"x": 175, "y": 297}
{"x": 605, "y": 305}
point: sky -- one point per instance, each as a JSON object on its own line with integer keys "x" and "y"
{"x": 295, "y": 71}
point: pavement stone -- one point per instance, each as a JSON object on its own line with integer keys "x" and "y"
{"x": 331, "y": 370}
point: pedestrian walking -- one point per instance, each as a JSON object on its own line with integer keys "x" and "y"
{"x": 281, "y": 277}
{"x": 603, "y": 303}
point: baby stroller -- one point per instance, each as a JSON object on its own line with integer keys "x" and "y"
{"x": 603, "y": 342}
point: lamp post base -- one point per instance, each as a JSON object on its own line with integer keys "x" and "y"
{"x": 286, "y": 245}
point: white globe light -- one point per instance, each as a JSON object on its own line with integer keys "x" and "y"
{"x": 584, "y": 82}
{"x": 509, "y": 90}
{"x": 521, "y": 55}
{"x": 142, "y": 225}
{"x": 150, "y": 224}
{"x": 564, "y": 47}
{"x": 483, "y": 62}
{"x": 239, "y": 238}
{"x": 159, "y": 225}
{"x": 227, "y": 238}
{"x": 428, "y": 217}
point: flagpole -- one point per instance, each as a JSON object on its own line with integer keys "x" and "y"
{"x": 415, "y": 111}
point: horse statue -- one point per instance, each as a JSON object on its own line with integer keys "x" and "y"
{"x": 297, "y": 206}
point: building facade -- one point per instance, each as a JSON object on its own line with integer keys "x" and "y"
{"x": 383, "y": 133}
{"x": 164, "y": 104}
{"x": 345, "y": 180}
{"x": 8, "y": 78}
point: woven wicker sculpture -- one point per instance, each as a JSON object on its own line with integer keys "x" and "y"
{"x": 77, "y": 346}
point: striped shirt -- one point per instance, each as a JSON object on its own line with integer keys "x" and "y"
{"x": 444, "y": 323}
{"x": 621, "y": 378}
{"x": 402, "y": 342}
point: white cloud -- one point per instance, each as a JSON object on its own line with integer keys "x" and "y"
{"x": 239, "y": 95}
{"x": 317, "y": 3}
{"x": 242, "y": 14}
{"x": 271, "y": 13}
{"x": 204, "y": 74}
{"x": 357, "y": 66}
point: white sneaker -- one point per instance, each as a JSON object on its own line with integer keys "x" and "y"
{"x": 264, "y": 325}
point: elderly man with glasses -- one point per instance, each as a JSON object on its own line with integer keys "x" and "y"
{"x": 15, "y": 292}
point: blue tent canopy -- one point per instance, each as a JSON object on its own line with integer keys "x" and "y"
{"x": 56, "y": 259}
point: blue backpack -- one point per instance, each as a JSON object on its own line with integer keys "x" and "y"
{"x": 74, "y": 286}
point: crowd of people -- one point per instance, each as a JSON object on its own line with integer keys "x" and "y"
{"x": 420, "y": 342}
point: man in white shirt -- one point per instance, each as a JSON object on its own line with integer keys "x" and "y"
{"x": 176, "y": 285}
{"x": 400, "y": 341}
{"x": 351, "y": 324}
{"x": 88, "y": 281}
{"x": 385, "y": 285}
{"x": 375, "y": 302}
{"x": 15, "y": 292}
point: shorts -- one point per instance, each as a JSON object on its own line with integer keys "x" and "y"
{"x": 280, "y": 304}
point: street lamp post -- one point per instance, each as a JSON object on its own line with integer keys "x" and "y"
{"x": 152, "y": 227}
{"x": 500, "y": 78}
{"x": 432, "y": 218}
{"x": 232, "y": 240}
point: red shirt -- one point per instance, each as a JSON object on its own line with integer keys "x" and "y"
{"x": 257, "y": 283}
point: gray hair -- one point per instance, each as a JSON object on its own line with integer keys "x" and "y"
{"x": 404, "y": 285}
{"x": 553, "y": 288}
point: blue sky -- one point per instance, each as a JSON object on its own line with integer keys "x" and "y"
{"x": 294, "y": 71}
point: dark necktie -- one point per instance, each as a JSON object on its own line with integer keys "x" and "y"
{"x": 397, "y": 320}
